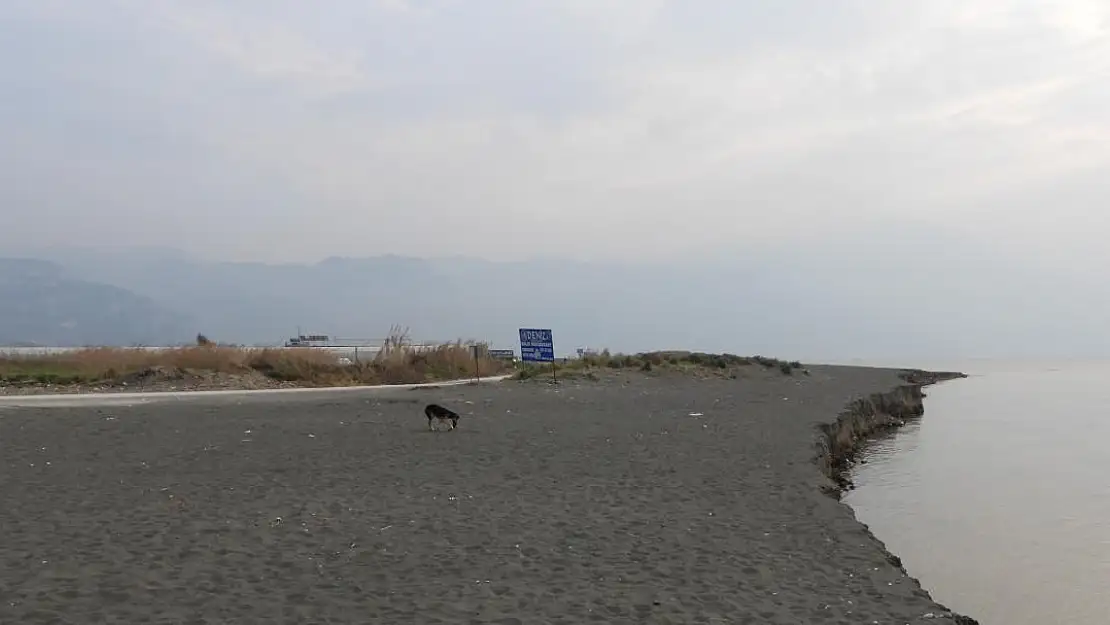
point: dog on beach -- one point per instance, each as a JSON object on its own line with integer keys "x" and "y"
{"x": 435, "y": 412}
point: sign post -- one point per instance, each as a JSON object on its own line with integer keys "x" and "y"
{"x": 477, "y": 365}
{"x": 537, "y": 345}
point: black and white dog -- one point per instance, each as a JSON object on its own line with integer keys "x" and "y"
{"x": 435, "y": 411}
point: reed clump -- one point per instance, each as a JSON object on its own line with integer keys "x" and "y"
{"x": 398, "y": 361}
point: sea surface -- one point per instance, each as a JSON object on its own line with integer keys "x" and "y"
{"x": 998, "y": 499}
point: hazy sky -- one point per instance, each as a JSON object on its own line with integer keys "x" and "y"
{"x": 292, "y": 130}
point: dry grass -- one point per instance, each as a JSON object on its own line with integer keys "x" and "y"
{"x": 398, "y": 362}
{"x": 681, "y": 361}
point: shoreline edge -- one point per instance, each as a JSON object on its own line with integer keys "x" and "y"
{"x": 838, "y": 443}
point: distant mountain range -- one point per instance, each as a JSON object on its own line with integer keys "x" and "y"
{"x": 863, "y": 297}
{"x": 40, "y": 304}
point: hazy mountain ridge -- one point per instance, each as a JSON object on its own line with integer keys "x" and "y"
{"x": 40, "y": 304}
{"x": 868, "y": 297}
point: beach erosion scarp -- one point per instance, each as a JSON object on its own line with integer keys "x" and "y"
{"x": 840, "y": 441}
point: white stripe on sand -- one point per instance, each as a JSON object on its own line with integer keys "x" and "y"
{"x": 92, "y": 399}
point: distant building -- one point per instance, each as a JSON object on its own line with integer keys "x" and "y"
{"x": 310, "y": 340}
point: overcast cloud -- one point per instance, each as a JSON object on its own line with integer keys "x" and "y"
{"x": 289, "y": 130}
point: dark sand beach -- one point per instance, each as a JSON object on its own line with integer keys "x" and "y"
{"x": 633, "y": 499}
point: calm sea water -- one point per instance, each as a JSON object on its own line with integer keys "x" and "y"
{"x": 998, "y": 499}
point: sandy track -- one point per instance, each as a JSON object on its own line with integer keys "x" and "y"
{"x": 602, "y": 502}
{"x": 230, "y": 396}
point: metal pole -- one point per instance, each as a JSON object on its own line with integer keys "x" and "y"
{"x": 477, "y": 366}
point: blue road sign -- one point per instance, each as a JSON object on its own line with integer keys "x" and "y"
{"x": 536, "y": 345}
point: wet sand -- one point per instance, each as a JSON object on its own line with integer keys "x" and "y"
{"x": 634, "y": 499}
